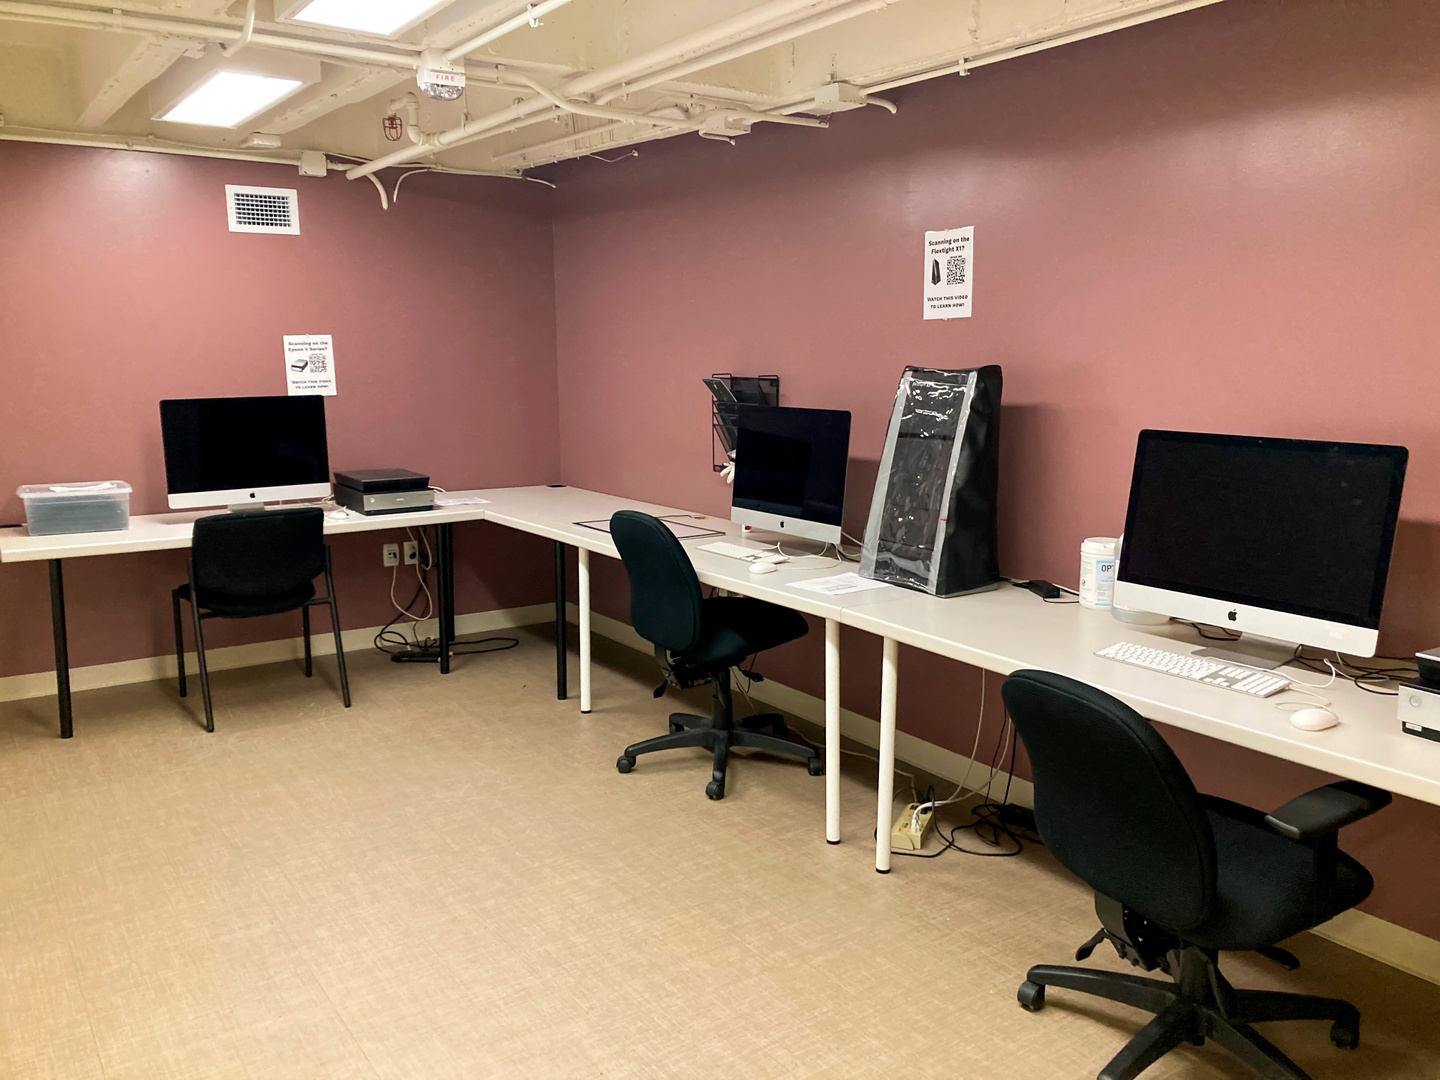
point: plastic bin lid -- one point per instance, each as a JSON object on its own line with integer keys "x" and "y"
{"x": 61, "y": 491}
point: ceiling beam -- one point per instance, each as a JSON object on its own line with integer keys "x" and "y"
{"x": 113, "y": 68}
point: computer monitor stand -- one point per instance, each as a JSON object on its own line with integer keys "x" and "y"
{"x": 788, "y": 543}
{"x": 1252, "y": 651}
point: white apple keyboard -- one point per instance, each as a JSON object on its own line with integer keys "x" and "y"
{"x": 740, "y": 551}
{"x": 1204, "y": 669}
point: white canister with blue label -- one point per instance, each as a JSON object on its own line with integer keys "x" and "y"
{"x": 1097, "y": 571}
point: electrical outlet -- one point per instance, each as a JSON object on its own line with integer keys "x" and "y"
{"x": 391, "y": 554}
{"x": 412, "y": 552}
{"x": 911, "y": 830}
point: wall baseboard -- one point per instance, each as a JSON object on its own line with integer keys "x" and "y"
{"x": 151, "y": 668}
{"x": 1368, "y": 935}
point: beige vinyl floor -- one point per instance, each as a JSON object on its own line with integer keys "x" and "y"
{"x": 452, "y": 880}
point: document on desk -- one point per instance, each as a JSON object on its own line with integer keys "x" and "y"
{"x": 468, "y": 500}
{"x": 839, "y": 584}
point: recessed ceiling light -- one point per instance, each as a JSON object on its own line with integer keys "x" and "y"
{"x": 229, "y": 98}
{"x": 383, "y": 17}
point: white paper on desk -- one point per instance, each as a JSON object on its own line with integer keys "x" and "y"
{"x": 838, "y": 584}
{"x": 468, "y": 500}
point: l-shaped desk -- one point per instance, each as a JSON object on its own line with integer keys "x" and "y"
{"x": 1000, "y": 631}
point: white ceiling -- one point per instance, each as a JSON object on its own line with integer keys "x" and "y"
{"x": 535, "y": 94}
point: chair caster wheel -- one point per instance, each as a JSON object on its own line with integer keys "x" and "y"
{"x": 1345, "y": 1036}
{"x": 1031, "y": 996}
{"x": 625, "y": 764}
{"x": 715, "y": 789}
{"x": 815, "y": 766}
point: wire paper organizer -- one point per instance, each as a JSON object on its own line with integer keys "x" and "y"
{"x": 726, "y": 392}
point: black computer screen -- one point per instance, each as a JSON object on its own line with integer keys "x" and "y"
{"x": 1283, "y": 524}
{"x": 225, "y": 444}
{"x": 791, "y": 462}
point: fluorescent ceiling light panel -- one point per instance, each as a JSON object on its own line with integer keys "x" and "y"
{"x": 383, "y": 17}
{"x": 229, "y": 98}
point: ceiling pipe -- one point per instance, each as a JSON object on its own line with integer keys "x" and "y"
{"x": 233, "y": 36}
{"x": 245, "y": 34}
{"x": 528, "y": 17}
{"x": 691, "y": 45}
{"x": 775, "y": 37}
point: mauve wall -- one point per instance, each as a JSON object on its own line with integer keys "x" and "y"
{"x": 1227, "y": 220}
{"x": 120, "y": 285}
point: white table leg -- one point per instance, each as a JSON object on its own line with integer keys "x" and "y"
{"x": 832, "y": 731}
{"x": 885, "y": 797}
{"x": 584, "y": 603}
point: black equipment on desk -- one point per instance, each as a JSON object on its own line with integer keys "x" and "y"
{"x": 932, "y": 520}
{"x": 383, "y": 491}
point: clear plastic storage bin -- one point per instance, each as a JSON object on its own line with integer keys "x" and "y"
{"x": 74, "y": 508}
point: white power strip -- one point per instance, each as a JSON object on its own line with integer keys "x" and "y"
{"x": 911, "y": 828}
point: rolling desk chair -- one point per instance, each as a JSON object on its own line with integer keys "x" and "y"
{"x": 258, "y": 563}
{"x": 1179, "y": 876}
{"x": 699, "y": 640}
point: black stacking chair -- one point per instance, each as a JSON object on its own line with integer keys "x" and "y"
{"x": 699, "y": 640}
{"x": 1179, "y": 876}
{"x": 256, "y": 563}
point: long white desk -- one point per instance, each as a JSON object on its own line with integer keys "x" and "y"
{"x": 1000, "y": 631}
{"x": 552, "y": 513}
{"x": 172, "y": 531}
{"x": 1010, "y": 629}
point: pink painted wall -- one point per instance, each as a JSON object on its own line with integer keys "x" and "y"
{"x": 120, "y": 285}
{"x": 1226, "y": 220}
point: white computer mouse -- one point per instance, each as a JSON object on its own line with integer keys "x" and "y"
{"x": 1313, "y": 719}
{"x": 763, "y": 568}
{"x": 338, "y": 515}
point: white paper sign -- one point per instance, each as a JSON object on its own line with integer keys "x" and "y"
{"x": 949, "y": 271}
{"x": 310, "y": 364}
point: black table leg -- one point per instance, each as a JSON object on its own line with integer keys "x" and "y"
{"x": 561, "y": 660}
{"x": 62, "y": 648}
{"x": 446, "y": 560}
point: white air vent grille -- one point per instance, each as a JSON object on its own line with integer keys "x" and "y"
{"x": 262, "y": 209}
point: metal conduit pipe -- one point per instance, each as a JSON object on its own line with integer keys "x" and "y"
{"x": 581, "y": 108}
{"x": 775, "y": 37}
{"x": 525, "y": 18}
{"x": 688, "y": 46}
{"x": 245, "y": 34}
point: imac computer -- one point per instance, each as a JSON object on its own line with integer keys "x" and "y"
{"x": 1283, "y": 539}
{"x": 244, "y": 451}
{"x": 790, "y": 470}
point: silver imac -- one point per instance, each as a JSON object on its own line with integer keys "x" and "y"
{"x": 790, "y": 470}
{"x": 244, "y": 451}
{"x": 1285, "y": 540}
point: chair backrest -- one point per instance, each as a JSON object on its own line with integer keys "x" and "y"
{"x": 1112, "y": 801}
{"x": 664, "y": 591}
{"x": 264, "y": 553}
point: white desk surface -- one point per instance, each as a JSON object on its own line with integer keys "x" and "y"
{"x": 1010, "y": 628}
{"x": 161, "y": 532}
{"x": 552, "y": 513}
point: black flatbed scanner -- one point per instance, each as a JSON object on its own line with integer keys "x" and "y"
{"x": 383, "y": 491}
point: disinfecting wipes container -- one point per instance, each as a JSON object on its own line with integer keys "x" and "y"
{"x": 1097, "y": 571}
{"x": 73, "y": 508}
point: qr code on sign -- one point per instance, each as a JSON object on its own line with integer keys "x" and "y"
{"x": 319, "y": 364}
{"x": 955, "y": 270}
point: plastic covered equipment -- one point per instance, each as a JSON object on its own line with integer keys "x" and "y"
{"x": 932, "y": 520}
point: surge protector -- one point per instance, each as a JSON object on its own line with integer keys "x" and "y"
{"x": 906, "y": 836}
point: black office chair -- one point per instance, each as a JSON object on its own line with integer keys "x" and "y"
{"x": 256, "y": 563}
{"x": 1179, "y": 876}
{"x": 698, "y": 640}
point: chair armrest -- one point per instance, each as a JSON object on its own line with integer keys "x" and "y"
{"x": 1326, "y": 810}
